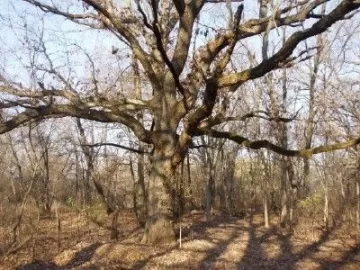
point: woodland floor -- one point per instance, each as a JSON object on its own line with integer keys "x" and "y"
{"x": 223, "y": 243}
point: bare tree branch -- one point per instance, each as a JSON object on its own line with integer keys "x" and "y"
{"x": 275, "y": 61}
{"x": 305, "y": 153}
{"x": 59, "y": 111}
{"x": 118, "y": 146}
{"x": 220, "y": 118}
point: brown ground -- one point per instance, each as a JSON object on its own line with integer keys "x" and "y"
{"x": 224, "y": 243}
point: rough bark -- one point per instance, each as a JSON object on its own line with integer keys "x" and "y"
{"x": 159, "y": 227}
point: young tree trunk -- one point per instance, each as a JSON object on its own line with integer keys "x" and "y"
{"x": 263, "y": 12}
{"x": 309, "y": 124}
{"x": 180, "y": 192}
{"x": 89, "y": 159}
{"x": 252, "y": 188}
{"x": 190, "y": 203}
{"x": 326, "y": 188}
{"x": 114, "y": 224}
{"x": 293, "y": 193}
{"x": 265, "y": 189}
{"x": 159, "y": 227}
{"x": 87, "y": 187}
{"x": 358, "y": 200}
{"x": 266, "y": 210}
{"x": 284, "y": 214}
{"x": 140, "y": 201}
{"x": 209, "y": 194}
{"x": 230, "y": 195}
{"x": 326, "y": 197}
{"x": 326, "y": 206}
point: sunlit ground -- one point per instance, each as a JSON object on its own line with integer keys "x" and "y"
{"x": 224, "y": 243}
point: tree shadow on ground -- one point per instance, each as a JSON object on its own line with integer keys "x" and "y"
{"x": 349, "y": 256}
{"x": 142, "y": 263}
{"x": 247, "y": 238}
{"x": 196, "y": 229}
{"x": 255, "y": 257}
{"x": 81, "y": 257}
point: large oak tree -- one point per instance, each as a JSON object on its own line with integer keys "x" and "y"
{"x": 185, "y": 85}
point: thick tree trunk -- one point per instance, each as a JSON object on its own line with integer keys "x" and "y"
{"x": 159, "y": 227}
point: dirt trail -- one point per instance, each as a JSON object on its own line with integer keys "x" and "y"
{"x": 224, "y": 243}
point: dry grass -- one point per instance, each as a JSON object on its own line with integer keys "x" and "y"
{"x": 224, "y": 243}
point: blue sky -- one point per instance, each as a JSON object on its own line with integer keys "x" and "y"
{"x": 60, "y": 35}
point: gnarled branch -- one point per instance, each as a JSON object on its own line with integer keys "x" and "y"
{"x": 304, "y": 153}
